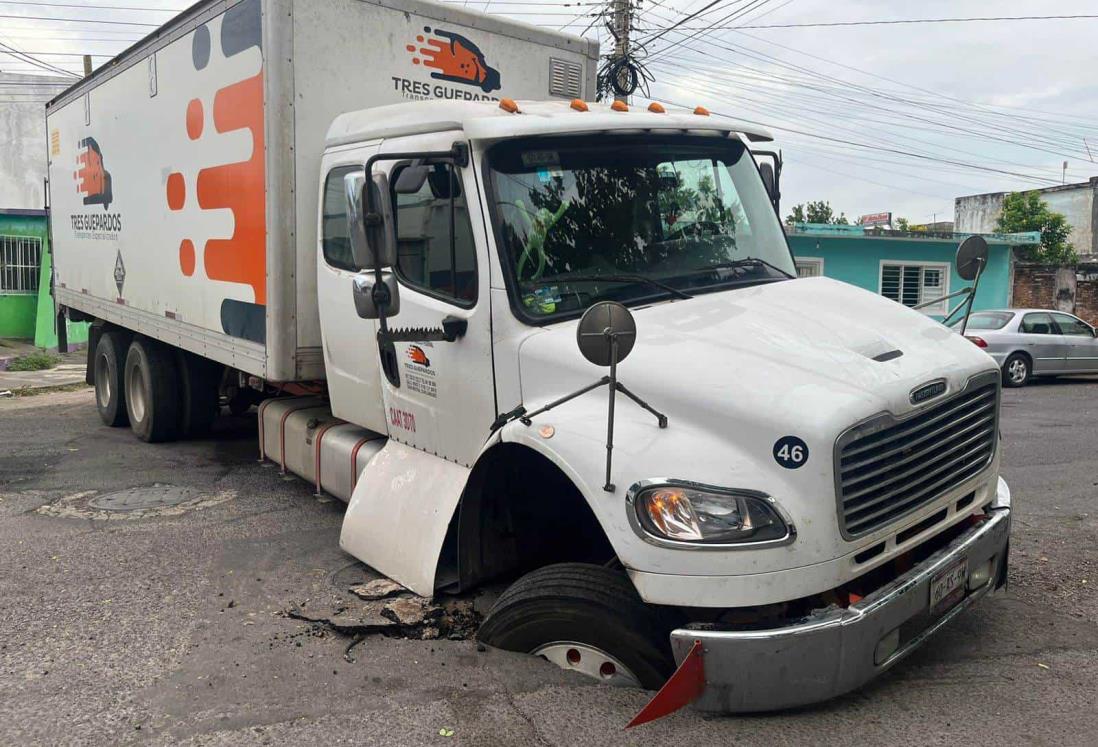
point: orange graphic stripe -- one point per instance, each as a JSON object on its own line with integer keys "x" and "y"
{"x": 240, "y": 187}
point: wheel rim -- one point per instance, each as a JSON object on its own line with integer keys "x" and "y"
{"x": 1017, "y": 371}
{"x": 135, "y": 393}
{"x": 588, "y": 660}
{"x": 103, "y": 383}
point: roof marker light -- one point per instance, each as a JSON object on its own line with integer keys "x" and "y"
{"x": 579, "y": 105}
{"x": 701, "y": 111}
{"x": 656, "y": 108}
{"x": 509, "y": 105}
{"x": 619, "y": 106}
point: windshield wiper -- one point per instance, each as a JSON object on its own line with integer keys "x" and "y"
{"x": 617, "y": 278}
{"x": 744, "y": 262}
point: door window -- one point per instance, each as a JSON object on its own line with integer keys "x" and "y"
{"x": 435, "y": 248}
{"x": 335, "y": 238}
{"x": 1069, "y": 325}
{"x": 1037, "y": 324}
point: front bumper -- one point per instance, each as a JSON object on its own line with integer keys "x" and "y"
{"x": 840, "y": 650}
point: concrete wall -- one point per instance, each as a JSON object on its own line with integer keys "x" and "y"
{"x": 979, "y": 213}
{"x": 23, "y": 138}
{"x": 857, "y": 260}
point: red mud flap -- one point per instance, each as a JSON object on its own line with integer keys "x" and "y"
{"x": 681, "y": 689}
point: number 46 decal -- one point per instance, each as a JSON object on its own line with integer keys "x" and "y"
{"x": 790, "y": 452}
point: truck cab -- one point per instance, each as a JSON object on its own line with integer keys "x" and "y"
{"x": 822, "y": 493}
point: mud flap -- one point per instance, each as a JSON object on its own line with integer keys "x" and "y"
{"x": 399, "y": 512}
{"x": 682, "y": 688}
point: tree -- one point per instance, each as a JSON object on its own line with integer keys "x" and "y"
{"x": 817, "y": 211}
{"x": 902, "y": 224}
{"x": 1026, "y": 211}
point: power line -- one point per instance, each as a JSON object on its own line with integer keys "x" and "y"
{"x": 868, "y": 146}
{"x": 82, "y": 20}
{"x": 90, "y": 7}
{"x": 24, "y": 57}
{"x": 916, "y": 20}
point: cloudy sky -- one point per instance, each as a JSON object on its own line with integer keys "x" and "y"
{"x": 900, "y": 117}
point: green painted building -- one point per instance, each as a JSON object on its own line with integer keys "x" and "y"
{"x": 908, "y": 267}
{"x": 26, "y": 307}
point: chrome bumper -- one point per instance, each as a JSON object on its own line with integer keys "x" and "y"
{"x": 838, "y": 651}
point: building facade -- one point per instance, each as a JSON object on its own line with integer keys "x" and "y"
{"x": 909, "y": 267}
{"x": 26, "y": 307}
{"x": 1077, "y": 202}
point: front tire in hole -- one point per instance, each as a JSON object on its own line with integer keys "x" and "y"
{"x": 584, "y": 618}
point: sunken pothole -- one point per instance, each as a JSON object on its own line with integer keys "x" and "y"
{"x": 142, "y": 502}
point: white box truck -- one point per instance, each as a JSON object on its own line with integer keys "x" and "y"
{"x": 389, "y": 224}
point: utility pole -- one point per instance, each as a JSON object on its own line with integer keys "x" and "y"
{"x": 621, "y": 20}
{"x": 87, "y": 65}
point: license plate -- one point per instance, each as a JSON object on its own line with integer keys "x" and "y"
{"x": 948, "y": 587}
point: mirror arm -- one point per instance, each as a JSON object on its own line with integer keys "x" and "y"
{"x": 938, "y": 300}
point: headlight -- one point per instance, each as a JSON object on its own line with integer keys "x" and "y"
{"x": 688, "y": 513}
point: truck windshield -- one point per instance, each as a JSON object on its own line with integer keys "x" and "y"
{"x": 585, "y": 219}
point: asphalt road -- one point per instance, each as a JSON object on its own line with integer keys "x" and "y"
{"x": 170, "y": 626}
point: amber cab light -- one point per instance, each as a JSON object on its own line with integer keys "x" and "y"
{"x": 656, "y": 108}
{"x": 701, "y": 111}
{"x": 619, "y": 106}
{"x": 509, "y": 105}
{"x": 977, "y": 341}
{"x": 579, "y": 105}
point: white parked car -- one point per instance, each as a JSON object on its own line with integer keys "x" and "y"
{"x": 1034, "y": 342}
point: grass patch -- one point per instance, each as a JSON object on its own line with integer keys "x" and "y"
{"x": 34, "y": 362}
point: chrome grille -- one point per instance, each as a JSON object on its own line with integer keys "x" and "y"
{"x": 888, "y": 467}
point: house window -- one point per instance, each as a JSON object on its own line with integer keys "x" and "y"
{"x": 914, "y": 283}
{"x": 809, "y": 267}
{"x": 20, "y": 258}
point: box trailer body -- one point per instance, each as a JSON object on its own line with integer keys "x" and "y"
{"x": 183, "y": 173}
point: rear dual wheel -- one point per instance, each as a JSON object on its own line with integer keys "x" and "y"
{"x": 107, "y": 368}
{"x": 152, "y": 391}
{"x": 161, "y": 392}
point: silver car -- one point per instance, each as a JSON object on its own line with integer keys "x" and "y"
{"x": 1034, "y": 342}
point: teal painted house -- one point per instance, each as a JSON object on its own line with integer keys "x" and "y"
{"x": 908, "y": 267}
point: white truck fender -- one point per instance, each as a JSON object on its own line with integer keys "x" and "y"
{"x": 398, "y": 515}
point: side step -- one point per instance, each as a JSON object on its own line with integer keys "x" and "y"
{"x": 302, "y": 436}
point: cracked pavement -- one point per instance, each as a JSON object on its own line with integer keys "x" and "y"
{"x": 172, "y": 627}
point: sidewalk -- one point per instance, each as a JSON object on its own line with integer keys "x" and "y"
{"x": 69, "y": 372}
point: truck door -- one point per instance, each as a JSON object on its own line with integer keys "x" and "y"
{"x": 350, "y": 343}
{"x": 440, "y": 396}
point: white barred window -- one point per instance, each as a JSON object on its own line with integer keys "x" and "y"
{"x": 913, "y": 283}
{"x": 20, "y": 259}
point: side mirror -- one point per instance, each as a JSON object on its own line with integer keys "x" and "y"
{"x": 767, "y": 173}
{"x": 370, "y": 220}
{"x": 370, "y": 296}
{"x": 411, "y": 178}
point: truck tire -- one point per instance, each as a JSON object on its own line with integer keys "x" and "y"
{"x": 200, "y": 383}
{"x": 152, "y": 391}
{"x": 585, "y": 618}
{"x": 107, "y": 366}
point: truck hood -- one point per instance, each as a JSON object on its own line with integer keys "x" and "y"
{"x": 809, "y": 356}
